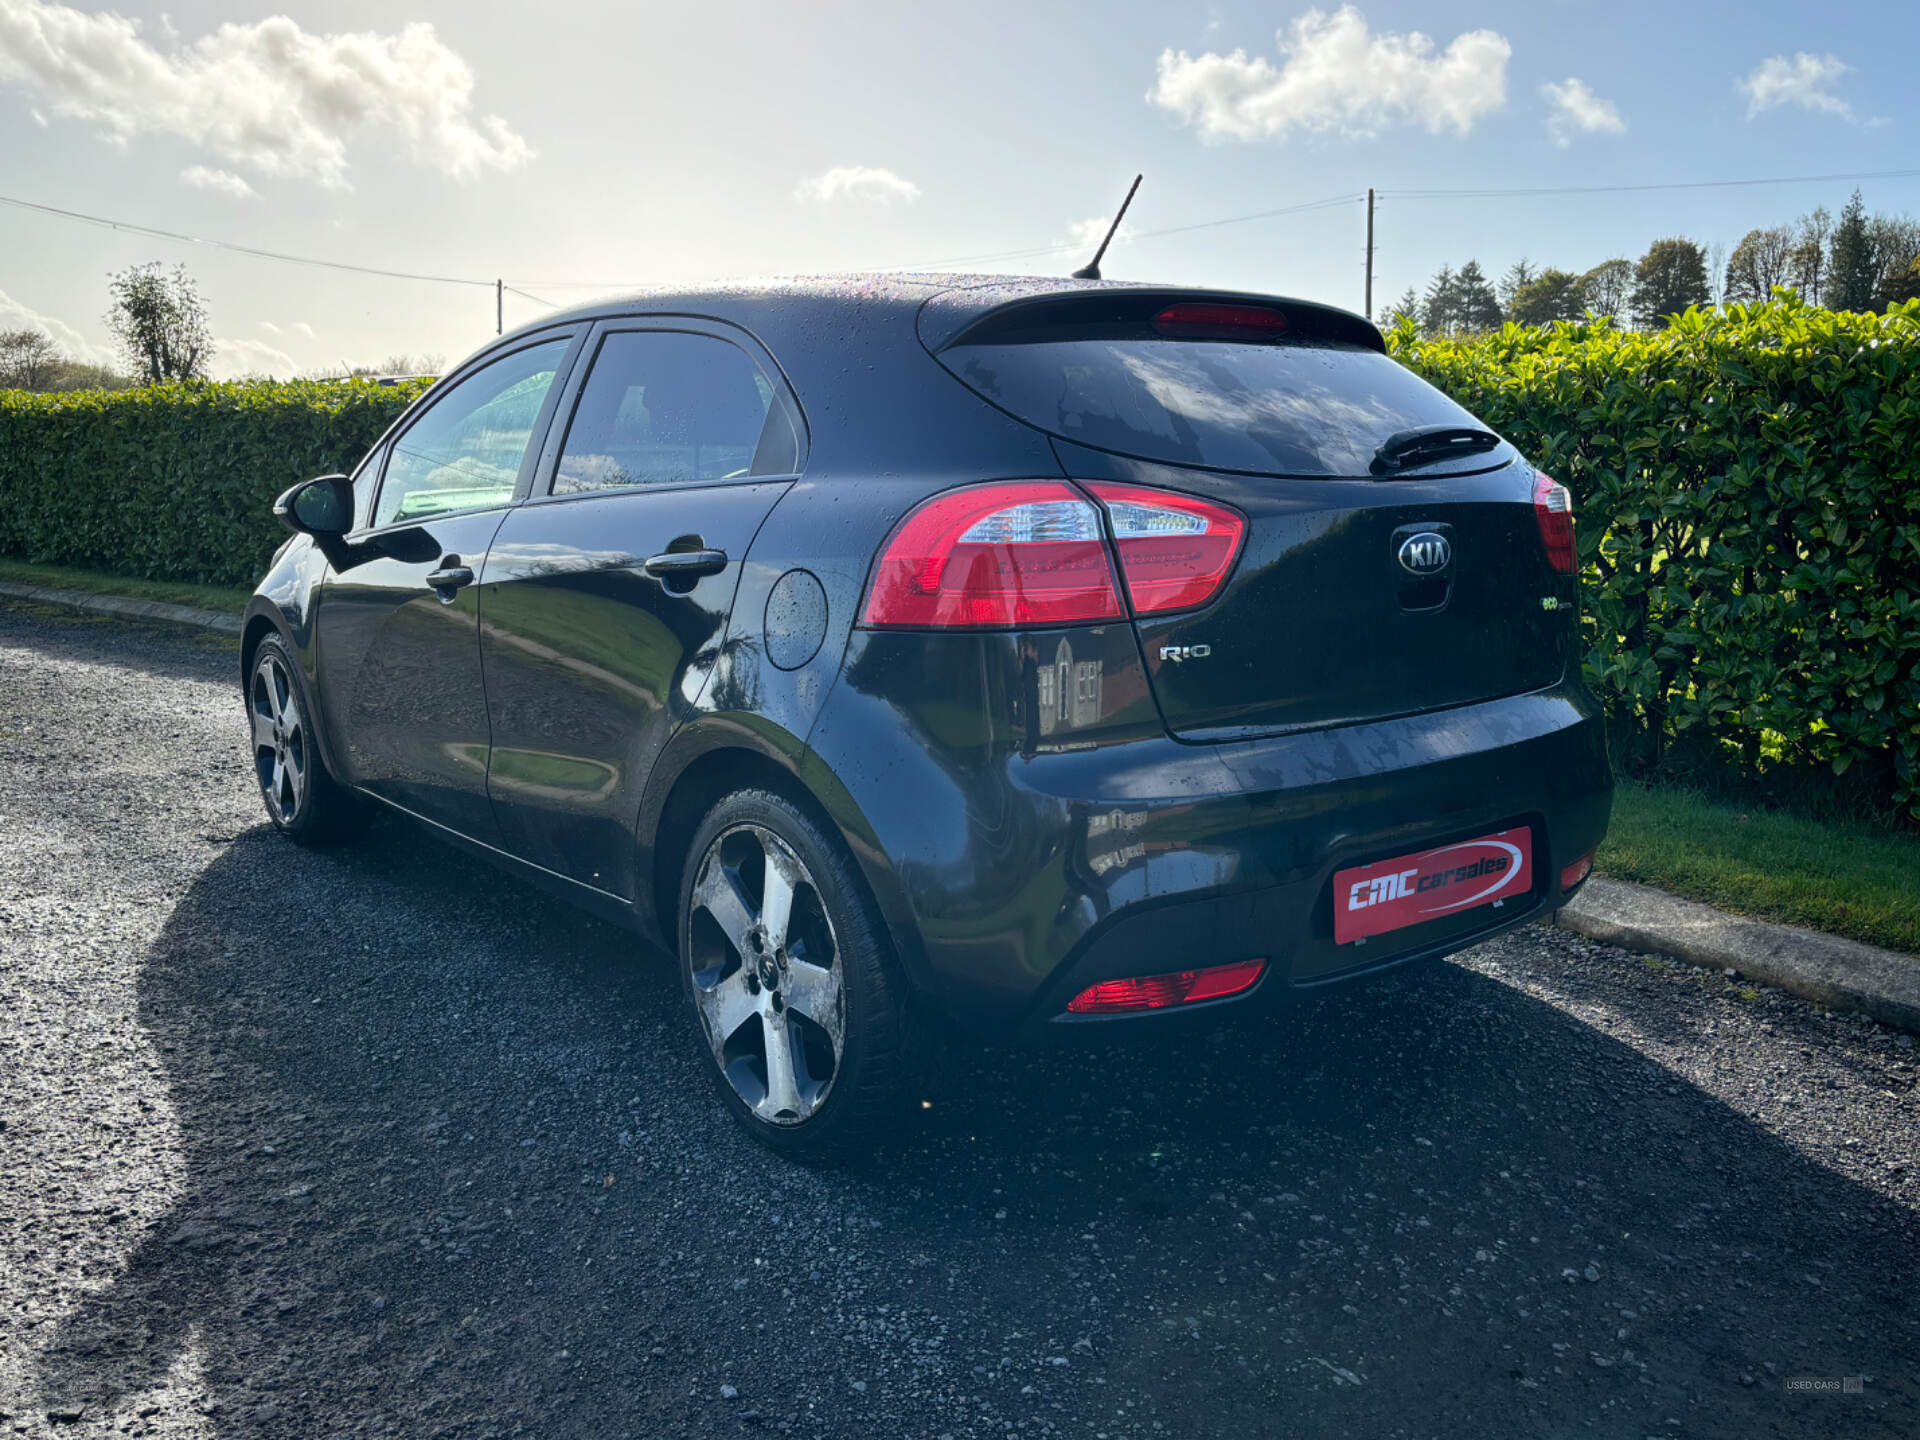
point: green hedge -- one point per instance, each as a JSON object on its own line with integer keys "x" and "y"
{"x": 1747, "y": 490}
{"x": 1747, "y": 483}
{"x": 173, "y": 482}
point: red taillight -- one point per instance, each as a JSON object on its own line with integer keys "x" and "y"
{"x": 1553, "y": 508}
{"x": 1175, "y": 551}
{"x": 1157, "y": 992}
{"x": 1212, "y": 321}
{"x": 1015, "y": 552}
{"x": 1576, "y": 872}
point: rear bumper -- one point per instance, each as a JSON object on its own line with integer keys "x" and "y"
{"x": 1217, "y": 929}
{"x": 1014, "y": 875}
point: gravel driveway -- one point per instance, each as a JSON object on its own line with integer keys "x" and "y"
{"x": 377, "y": 1142}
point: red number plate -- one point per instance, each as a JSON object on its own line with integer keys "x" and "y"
{"x": 1393, "y": 894}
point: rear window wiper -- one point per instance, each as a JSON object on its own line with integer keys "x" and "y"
{"x": 1424, "y": 444}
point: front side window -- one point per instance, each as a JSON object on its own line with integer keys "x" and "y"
{"x": 663, "y": 407}
{"x": 465, "y": 453}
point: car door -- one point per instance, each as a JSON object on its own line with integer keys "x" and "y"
{"x": 608, "y": 592}
{"x": 397, "y": 623}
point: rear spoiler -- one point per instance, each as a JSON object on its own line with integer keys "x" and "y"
{"x": 971, "y": 316}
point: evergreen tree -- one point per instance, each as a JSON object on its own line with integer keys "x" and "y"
{"x": 1853, "y": 273}
{"x": 1671, "y": 277}
{"x": 1899, "y": 288}
{"x": 1478, "y": 308}
{"x": 1552, "y": 295}
{"x": 1407, "y": 307}
{"x": 1519, "y": 275}
{"x": 1441, "y": 310}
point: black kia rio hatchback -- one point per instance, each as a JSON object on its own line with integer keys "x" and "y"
{"x": 1027, "y": 656}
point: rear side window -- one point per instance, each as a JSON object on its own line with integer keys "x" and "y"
{"x": 663, "y": 407}
{"x": 1290, "y": 406}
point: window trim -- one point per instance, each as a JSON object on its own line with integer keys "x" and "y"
{"x": 541, "y": 489}
{"x": 542, "y": 424}
{"x": 373, "y": 464}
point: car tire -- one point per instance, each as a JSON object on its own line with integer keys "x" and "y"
{"x": 824, "y": 980}
{"x": 304, "y": 802}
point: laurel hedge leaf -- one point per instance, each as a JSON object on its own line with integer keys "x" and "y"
{"x": 1747, "y": 489}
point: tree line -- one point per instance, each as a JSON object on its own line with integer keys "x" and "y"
{"x": 1858, "y": 262}
{"x": 162, "y": 327}
{"x": 158, "y": 319}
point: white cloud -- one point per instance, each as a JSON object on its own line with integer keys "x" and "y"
{"x": 268, "y": 95}
{"x": 1805, "y": 80}
{"x": 1335, "y": 75}
{"x": 15, "y": 315}
{"x": 270, "y": 327}
{"x": 305, "y": 329}
{"x": 1088, "y": 233}
{"x": 221, "y": 182}
{"x": 857, "y": 182}
{"x": 240, "y": 359}
{"x": 1576, "y": 107}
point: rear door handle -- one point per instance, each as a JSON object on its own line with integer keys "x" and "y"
{"x": 686, "y": 564}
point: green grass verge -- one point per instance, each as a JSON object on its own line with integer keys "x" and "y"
{"x": 1843, "y": 879}
{"x": 230, "y": 598}
{"x": 1846, "y": 880}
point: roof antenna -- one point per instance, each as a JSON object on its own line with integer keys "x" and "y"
{"x": 1091, "y": 270}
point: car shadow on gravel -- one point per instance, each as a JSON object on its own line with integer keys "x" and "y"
{"x": 448, "y": 1165}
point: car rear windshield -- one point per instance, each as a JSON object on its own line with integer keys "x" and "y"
{"x": 1305, "y": 407}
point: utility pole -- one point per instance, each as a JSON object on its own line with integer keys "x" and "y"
{"x": 500, "y": 286}
{"x": 1369, "y": 311}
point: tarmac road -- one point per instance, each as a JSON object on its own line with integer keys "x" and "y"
{"x": 377, "y": 1142}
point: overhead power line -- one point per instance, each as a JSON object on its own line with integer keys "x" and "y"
{"x": 1496, "y": 192}
{"x": 1060, "y": 247}
{"x": 516, "y": 290}
{"x": 1067, "y": 246}
{"x": 154, "y": 231}
{"x": 1033, "y": 252}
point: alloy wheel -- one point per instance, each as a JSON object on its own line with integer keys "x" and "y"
{"x": 767, "y": 977}
{"x": 280, "y": 753}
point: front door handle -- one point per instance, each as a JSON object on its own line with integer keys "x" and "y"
{"x": 686, "y": 564}
{"x": 450, "y": 577}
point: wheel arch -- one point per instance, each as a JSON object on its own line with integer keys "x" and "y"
{"x": 737, "y": 752}
{"x": 258, "y": 627}
{"x": 265, "y": 616}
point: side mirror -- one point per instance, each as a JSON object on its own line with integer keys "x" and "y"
{"x": 322, "y": 508}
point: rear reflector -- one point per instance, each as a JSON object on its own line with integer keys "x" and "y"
{"x": 1175, "y": 551}
{"x": 1576, "y": 872}
{"x": 1220, "y": 322}
{"x": 1553, "y": 508}
{"x": 1015, "y": 552}
{"x": 1158, "y": 992}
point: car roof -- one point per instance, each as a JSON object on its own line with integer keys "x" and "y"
{"x": 903, "y": 288}
{"x": 768, "y": 306}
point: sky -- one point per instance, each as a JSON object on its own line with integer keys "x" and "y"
{"x": 583, "y": 147}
